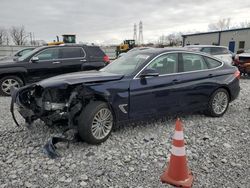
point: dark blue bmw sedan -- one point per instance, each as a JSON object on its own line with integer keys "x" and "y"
{"x": 139, "y": 85}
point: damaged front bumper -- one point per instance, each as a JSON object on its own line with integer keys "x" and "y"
{"x": 34, "y": 102}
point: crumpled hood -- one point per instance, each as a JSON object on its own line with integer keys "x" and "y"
{"x": 78, "y": 77}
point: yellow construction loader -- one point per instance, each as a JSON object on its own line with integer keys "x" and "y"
{"x": 66, "y": 40}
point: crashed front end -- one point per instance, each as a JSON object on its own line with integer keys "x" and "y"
{"x": 48, "y": 104}
{"x": 51, "y": 105}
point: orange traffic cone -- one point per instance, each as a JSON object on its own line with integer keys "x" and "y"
{"x": 177, "y": 172}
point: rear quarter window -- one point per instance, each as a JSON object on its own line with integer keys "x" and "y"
{"x": 212, "y": 63}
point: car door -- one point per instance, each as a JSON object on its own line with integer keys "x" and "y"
{"x": 156, "y": 95}
{"x": 71, "y": 59}
{"x": 43, "y": 64}
{"x": 196, "y": 81}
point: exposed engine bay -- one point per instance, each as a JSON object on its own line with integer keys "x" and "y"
{"x": 51, "y": 105}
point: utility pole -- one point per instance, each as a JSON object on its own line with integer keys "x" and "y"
{"x": 140, "y": 41}
{"x": 135, "y": 33}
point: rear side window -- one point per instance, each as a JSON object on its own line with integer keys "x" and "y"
{"x": 218, "y": 51}
{"x": 95, "y": 51}
{"x": 212, "y": 63}
{"x": 193, "y": 62}
{"x": 72, "y": 52}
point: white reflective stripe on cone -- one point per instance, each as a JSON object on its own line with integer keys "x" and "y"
{"x": 178, "y": 151}
{"x": 178, "y": 135}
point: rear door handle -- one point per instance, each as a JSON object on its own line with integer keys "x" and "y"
{"x": 56, "y": 62}
{"x": 210, "y": 75}
{"x": 83, "y": 60}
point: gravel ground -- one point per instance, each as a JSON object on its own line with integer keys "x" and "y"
{"x": 217, "y": 149}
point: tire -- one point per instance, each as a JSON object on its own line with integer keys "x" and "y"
{"x": 218, "y": 103}
{"x": 8, "y": 81}
{"x": 88, "y": 125}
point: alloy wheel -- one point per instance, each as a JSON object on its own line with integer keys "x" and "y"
{"x": 220, "y": 102}
{"x": 102, "y": 123}
{"x": 8, "y": 83}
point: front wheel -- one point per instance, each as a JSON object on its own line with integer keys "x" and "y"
{"x": 218, "y": 103}
{"x": 95, "y": 122}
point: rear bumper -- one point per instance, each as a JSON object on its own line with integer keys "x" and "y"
{"x": 234, "y": 88}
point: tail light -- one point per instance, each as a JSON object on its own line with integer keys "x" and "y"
{"x": 237, "y": 74}
{"x": 106, "y": 59}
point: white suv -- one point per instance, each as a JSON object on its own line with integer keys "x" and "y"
{"x": 221, "y": 52}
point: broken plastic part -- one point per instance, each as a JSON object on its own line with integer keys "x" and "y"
{"x": 50, "y": 149}
{"x": 13, "y": 92}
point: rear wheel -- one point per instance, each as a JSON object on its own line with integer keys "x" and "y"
{"x": 9, "y": 81}
{"x": 95, "y": 122}
{"x": 218, "y": 103}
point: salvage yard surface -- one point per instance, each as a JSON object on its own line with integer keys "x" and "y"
{"x": 218, "y": 152}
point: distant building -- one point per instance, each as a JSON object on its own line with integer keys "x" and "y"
{"x": 234, "y": 39}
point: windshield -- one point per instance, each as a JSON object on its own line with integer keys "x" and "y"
{"x": 126, "y": 64}
{"x": 28, "y": 54}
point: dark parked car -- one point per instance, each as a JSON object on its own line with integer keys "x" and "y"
{"x": 44, "y": 62}
{"x": 139, "y": 85}
{"x": 18, "y": 54}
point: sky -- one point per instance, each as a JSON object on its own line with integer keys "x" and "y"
{"x": 112, "y": 21}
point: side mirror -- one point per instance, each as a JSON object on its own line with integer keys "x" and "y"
{"x": 34, "y": 59}
{"x": 149, "y": 73}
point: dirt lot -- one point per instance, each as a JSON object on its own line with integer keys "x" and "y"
{"x": 134, "y": 156}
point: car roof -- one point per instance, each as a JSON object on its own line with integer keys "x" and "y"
{"x": 158, "y": 51}
{"x": 195, "y": 46}
{"x": 68, "y": 45}
{"x": 162, "y": 50}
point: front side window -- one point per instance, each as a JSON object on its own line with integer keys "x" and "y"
{"x": 72, "y": 52}
{"x": 48, "y": 54}
{"x": 165, "y": 64}
{"x": 193, "y": 62}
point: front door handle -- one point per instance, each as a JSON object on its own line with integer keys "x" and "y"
{"x": 56, "y": 62}
{"x": 83, "y": 60}
{"x": 210, "y": 75}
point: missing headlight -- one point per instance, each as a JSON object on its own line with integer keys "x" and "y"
{"x": 54, "y": 106}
